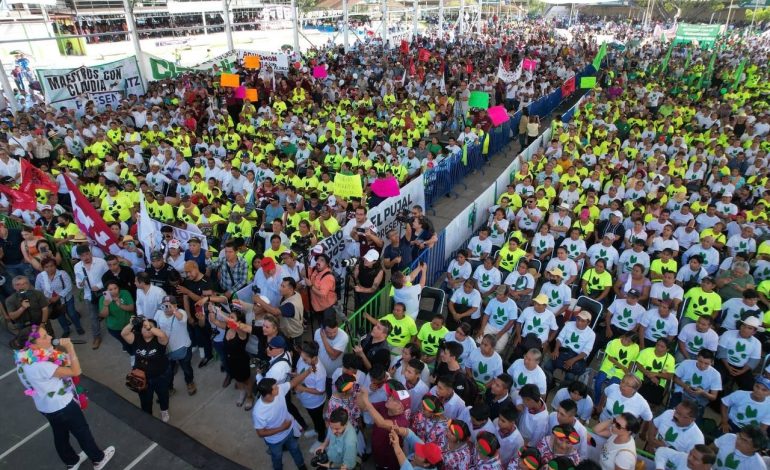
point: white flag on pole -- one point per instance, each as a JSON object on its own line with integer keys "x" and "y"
{"x": 148, "y": 233}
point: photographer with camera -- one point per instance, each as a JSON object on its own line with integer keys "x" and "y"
{"x": 368, "y": 276}
{"x": 149, "y": 344}
{"x": 27, "y": 306}
{"x": 290, "y": 311}
{"x": 360, "y": 235}
{"x": 116, "y": 307}
{"x": 173, "y": 321}
{"x": 321, "y": 284}
{"x": 398, "y": 255}
{"x": 420, "y": 235}
{"x": 339, "y": 450}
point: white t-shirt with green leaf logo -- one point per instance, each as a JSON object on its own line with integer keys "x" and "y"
{"x": 500, "y": 313}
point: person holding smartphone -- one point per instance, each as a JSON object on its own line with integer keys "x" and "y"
{"x": 116, "y": 307}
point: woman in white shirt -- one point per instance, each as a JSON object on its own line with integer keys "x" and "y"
{"x": 619, "y": 452}
{"x": 47, "y": 375}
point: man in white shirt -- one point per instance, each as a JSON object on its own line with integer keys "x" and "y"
{"x": 700, "y": 457}
{"x": 573, "y": 344}
{"x": 274, "y": 423}
{"x": 333, "y": 342}
{"x": 88, "y": 276}
{"x": 676, "y": 428}
{"x": 148, "y": 296}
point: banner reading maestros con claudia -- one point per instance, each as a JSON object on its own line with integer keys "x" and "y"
{"x": 104, "y": 84}
{"x": 383, "y": 216}
{"x": 161, "y": 69}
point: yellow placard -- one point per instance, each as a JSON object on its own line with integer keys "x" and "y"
{"x": 252, "y": 95}
{"x": 252, "y": 62}
{"x": 348, "y": 185}
{"x": 230, "y": 80}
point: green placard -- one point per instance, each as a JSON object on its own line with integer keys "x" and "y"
{"x": 702, "y": 33}
{"x": 479, "y": 99}
{"x": 587, "y": 82}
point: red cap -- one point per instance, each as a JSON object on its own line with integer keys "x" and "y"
{"x": 429, "y": 452}
{"x": 267, "y": 263}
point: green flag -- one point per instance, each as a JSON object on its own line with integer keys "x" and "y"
{"x": 738, "y": 74}
{"x": 706, "y": 76}
{"x": 599, "y": 56}
{"x": 664, "y": 65}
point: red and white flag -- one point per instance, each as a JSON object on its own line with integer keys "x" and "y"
{"x": 89, "y": 221}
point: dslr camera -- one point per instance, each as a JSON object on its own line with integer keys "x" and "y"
{"x": 320, "y": 459}
{"x": 404, "y": 216}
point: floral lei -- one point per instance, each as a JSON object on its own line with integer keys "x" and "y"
{"x": 30, "y": 355}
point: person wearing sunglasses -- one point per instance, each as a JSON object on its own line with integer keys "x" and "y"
{"x": 562, "y": 442}
{"x": 619, "y": 452}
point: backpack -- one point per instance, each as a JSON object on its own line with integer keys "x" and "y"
{"x": 338, "y": 281}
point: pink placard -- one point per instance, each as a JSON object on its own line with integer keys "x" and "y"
{"x": 240, "y": 92}
{"x": 386, "y": 188}
{"x": 319, "y": 71}
{"x": 498, "y": 115}
{"x": 528, "y": 64}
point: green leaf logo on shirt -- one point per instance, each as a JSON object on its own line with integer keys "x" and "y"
{"x": 751, "y": 412}
{"x": 670, "y": 435}
{"x": 455, "y": 272}
{"x": 632, "y": 260}
{"x": 657, "y": 365}
{"x": 696, "y": 380}
{"x": 465, "y": 301}
{"x": 574, "y": 338}
{"x": 483, "y": 368}
{"x": 521, "y": 282}
{"x": 521, "y": 379}
{"x": 542, "y": 243}
{"x": 602, "y": 254}
{"x": 477, "y": 249}
{"x": 485, "y": 280}
{"x": 622, "y": 355}
{"x": 732, "y": 462}
{"x": 665, "y": 296}
{"x": 499, "y": 314}
{"x": 618, "y": 408}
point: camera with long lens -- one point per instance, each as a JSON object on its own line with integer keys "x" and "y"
{"x": 302, "y": 244}
{"x": 348, "y": 263}
{"x": 136, "y": 323}
{"x": 404, "y": 216}
{"x": 320, "y": 459}
{"x": 261, "y": 366}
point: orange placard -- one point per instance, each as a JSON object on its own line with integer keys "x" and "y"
{"x": 252, "y": 62}
{"x": 230, "y": 80}
{"x": 251, "y": 94}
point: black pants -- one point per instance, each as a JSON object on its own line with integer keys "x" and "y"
{"x": 317, "y": 415}
{"x": 201, "y": 338}
{"x": 70, "y": 420}
{"x": 745, "y": 381}
{"x": 294, "y": 411}
{"x": 156, "y": 386}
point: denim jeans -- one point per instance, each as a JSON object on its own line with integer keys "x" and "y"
{"x": 70, "y": 420}
{"x": 291, "y": 444}
{"x": 156, "y": 386}
{"x": 186, "y": 365}
{"x": 566, "y": 354}
{"x": 71, "y": 314}
{"x": 599, "y": 382}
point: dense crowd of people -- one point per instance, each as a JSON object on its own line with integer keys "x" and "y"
{"x": 651, "y": 205}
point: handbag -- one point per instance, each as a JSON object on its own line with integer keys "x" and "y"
{"x": 136, "y": 380}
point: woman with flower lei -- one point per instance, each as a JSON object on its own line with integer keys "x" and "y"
{"x": 50, "y": 377}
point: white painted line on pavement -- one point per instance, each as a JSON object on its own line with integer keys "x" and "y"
{"x": 8, "y": 373}
{"x": 141, "y": 456}
{"x": 24, "y": 441}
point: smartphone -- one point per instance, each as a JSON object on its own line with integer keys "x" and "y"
{"x": 232, "y": 324}
{"x": 107, "y": 295}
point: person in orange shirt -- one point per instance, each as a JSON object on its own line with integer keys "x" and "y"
{"x": 321, "y": 283}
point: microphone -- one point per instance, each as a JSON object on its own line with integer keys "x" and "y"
{"x": 56, "y": 341}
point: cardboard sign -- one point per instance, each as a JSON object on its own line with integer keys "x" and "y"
{"x": 479, "y": 99}
{"x": 587, "y": 82}
{"x": 498, "y": 115}
{"x": 252, "y": 95}
{"x": 230, "y": 80}
{"x": 252, "y": 62}
{"x": 319, "y": 71}
{"x": 348, "y": 185}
